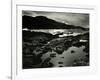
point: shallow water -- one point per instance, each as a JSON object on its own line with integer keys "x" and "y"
{"x": 67, "y": 58}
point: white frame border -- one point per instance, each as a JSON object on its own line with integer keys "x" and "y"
{"x": 14, "y": 73}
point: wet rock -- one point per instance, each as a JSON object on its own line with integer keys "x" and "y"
{"x": 72, "y": 51}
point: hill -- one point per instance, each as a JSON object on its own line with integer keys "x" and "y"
{"x": 41, "y": 22}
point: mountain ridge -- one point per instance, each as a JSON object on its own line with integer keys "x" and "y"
{"x": 42, "y": 22}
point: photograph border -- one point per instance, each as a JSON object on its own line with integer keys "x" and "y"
{"x": 14, "y": 70}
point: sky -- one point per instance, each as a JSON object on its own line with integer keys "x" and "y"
{"x": 77, "y": 19}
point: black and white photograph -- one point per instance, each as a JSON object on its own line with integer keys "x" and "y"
{"x": 55, "y": 39}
